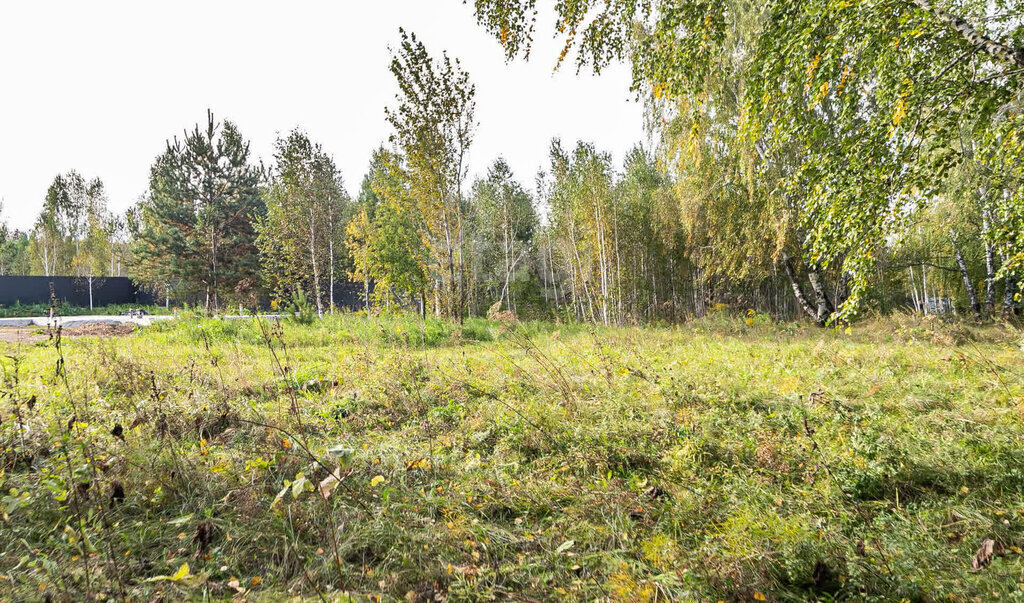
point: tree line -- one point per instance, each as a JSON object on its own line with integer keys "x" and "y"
{"x": 870, "y": 151}
{"x": 814, "y": 162}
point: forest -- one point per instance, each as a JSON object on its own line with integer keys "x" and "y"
{"x": 815, "y": 162}
{"x": 773, "y": 354}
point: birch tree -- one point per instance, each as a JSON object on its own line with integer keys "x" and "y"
{"x": 299, "y": 238}
{"x": 434, "y": 124}
{"x": 890, "y": 83}
{"x": 505, "y": 221}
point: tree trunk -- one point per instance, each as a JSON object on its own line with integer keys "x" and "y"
{"x": 972, "y": 294}
{"x": 461, "y": 311}
{"x": 544, "y": 275}
{"x": 579, "y": 265}
{"x": 798, "y": 291}
{"x": 1009, "y": 291}
{"x": 913, "y": 290}
{"x": 211, "y": 296}
{"x": 46, "y": 260}
{"x": 330, "y": 250}
{"x": 618, "y": 267}
{"x": 505, "y": 249}
{"x": 551, "y": 273}
{"x": 824, "y": 307}
{"x": 924, "y": 287}
{"x": 990, "y": 264}
{"x": 316, "y": 265}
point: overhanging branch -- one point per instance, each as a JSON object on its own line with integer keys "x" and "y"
{"x": 997, "y": 50}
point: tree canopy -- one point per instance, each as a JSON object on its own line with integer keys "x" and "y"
{"x": 857, "y": 107}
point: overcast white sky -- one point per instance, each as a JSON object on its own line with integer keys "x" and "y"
{"x": 99, "y": 86}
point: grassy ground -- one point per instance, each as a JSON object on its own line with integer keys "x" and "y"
{"x": 727, "y": 459}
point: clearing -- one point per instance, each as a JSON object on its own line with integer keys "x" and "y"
{"x": 730, "y": 458}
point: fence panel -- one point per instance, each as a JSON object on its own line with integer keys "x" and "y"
{"x": 71, "y": 290}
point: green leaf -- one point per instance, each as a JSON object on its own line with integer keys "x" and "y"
{"x": 300, "y": 485}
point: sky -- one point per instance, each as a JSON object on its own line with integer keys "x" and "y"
{"x": 98, "y": 87}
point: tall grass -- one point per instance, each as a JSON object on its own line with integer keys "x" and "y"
{"x": 726, "y": 459}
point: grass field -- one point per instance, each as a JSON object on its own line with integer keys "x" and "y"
{"x": 727, "y": 459}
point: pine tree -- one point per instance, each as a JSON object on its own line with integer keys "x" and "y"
{"x": 198, "y": 233}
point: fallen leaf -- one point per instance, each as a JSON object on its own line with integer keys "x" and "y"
{"x": 182, "y": 572}
{"x": 989, "y": 548}
{"x": 235, "y": 584}
{"x": 179, "y": 575}
{"x": 329, "y": 484}
{"x": 420, "y": 463}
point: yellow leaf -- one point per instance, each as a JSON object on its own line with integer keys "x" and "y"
{"x": 376, "y": 481}
{"x": 900, "y": 112}
{"x": 286, "y": 444}
{"x": 181, "y": 573}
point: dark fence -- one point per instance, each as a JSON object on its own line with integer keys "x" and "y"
{"x": 74, "y": 291}
{"x": 71, "y": 290}
{"x": 349, "y": 296}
